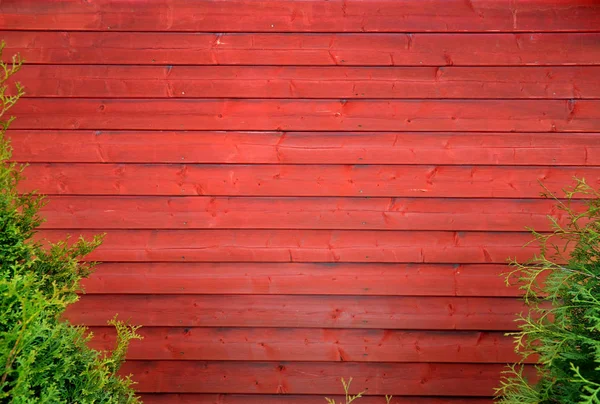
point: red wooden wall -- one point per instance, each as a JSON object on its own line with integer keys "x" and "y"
{"x": 294, "y": 191}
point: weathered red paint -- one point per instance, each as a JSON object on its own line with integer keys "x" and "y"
{"x": 188, "y": 398}
{"x": 313, "y": 344}
{"x": 302, "y": 180}
{"x": 305, "y": 246}
{"x": 382, "y": 148}
{"x": 201, "y": 212}
{"x": 296, "y": 191}
{"x": 97, "y": 81}
{"x": 304, "y": 378}
{"x": 300, "y": 279}
{"x": 365, "y": 312}
{"x": 310, "y": 115}
{"x": 406, "y": 49}
{"x": 303, "y": 15}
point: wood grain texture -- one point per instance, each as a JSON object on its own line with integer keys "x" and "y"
{"x": 303, "y": 16}
{"x": 300, "y": 279}
{"x": 408, "y": 49}
{"x": 296, "y": 180}
{"x": 296, "y": 191}
{"x": 312, "y": 345}
{"x": 529, "y": 149}
{"x": 197, "y": 212}
{"x": 98, "y": 81}
{"x": 305, "y": 246}
{"x": 365, "y": 312}
{"x": 293, "y": 378}
{"x": 310, "y": 115}
{"x": 174, "y": 398}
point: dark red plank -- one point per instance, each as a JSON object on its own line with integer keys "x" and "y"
{"x": 310, "y": 115}
{"x": 309, "y": 82}
{"x": 309, "y": 344}
{"x": 109, "y": 212}
{"x": 306, "y": 147}
{"x": 295, "y": 180}
{"x": 305, "y": 246}
{"x": 147, "y": 48}
{"x": 303, "y": 15}
{"x": 387, "y": 312}
{"x": 312, "y": 378}
{"x": 299, "y": 279}
{"x": 166, "y": 398}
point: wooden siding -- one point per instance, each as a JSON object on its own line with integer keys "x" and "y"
{"x": 293, "y": 191}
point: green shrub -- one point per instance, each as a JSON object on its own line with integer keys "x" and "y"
{"x": 562, "y": 289}
{"x": 44, "y": 359}
{"x": 349, "y": 398}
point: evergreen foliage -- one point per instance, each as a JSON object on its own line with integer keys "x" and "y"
{"x": 349, "y": 398}
{"x": 561, "y": 287}
{"x": 42, "y": 358}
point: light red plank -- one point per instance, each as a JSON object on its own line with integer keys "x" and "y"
{"x": 378, "y": 312}
{"x": 295, "y": 180}
{"x": 309, "y": 82}
{"x": 308, "y": 344}
{"x": 303, "y": 16}
{"x": 310, "y": 115}
{"x": 312, "y": 378}
{"x": 166, "y": 398}
{"x": 147, "y": 48}
{"x": 299, "y": 279}
{"x": 109, "y": 212}
{"x": 305, "y": 246}
{"x": 573, "y": 149}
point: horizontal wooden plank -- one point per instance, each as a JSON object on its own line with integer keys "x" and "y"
{"x": 305, "y": 246}
{"x": 309, "y": 115}
{"x": 303, "y": 16}
{"x": 174, "y": 398}
{"x": 109, "y": 212}
{"x": 306, "y": 147}
{"x": 309, "y": 82}
{"x": 297, "y": 180}
{"x": 379, "y": 312}
{"x": 147, "y": 48}
{"x": 314, "y": 378}
{"x": 309, "y": 344}
{"x": 299, "y": 279}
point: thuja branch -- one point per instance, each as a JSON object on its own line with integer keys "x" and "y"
{"x": 562, "y": 328}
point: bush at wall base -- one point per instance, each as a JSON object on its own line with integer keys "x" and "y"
{"x": 44, "y": 359}
{"x": 349, "y": 398}
{"x": 562, "y": 290}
